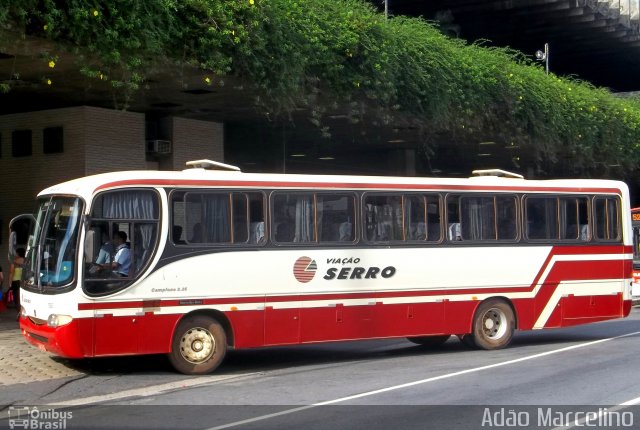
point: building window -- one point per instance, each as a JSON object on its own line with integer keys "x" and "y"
{"x": 21, "y": 143}
{"x": 52, "y": 140}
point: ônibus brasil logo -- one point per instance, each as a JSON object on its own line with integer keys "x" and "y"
{"x": 304, "y": 269}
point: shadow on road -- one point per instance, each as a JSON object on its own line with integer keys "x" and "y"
{"x": 275, "y": 358}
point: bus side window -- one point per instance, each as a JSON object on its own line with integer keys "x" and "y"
{"x": 542, "y": 218}
{"x": 454, "y": 228}
{"x": 507, "y": 218}
{"x": 607, "y": 218}
{"x": 256, "y": 218}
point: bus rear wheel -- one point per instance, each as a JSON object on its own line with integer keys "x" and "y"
{"x": 431, "y": 341}
{"x": 493, "y": 325}
{"x": 199, "y": 345}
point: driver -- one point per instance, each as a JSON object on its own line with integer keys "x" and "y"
{"x": 121, "y": 262}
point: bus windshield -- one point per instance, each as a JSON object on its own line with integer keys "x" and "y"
{"x": 50, "y": 258}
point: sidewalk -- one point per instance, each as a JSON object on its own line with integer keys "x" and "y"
{"x": 9, "y": 319}
{"x": 22, "y": 363}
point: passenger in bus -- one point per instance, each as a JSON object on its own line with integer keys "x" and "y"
{"x": 196, "y": 235}
{"x": 177, "y": 234}
{"x": 345, "y": 231}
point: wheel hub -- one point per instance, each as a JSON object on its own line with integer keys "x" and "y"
{"x": 495, "y": 324}
{"x": 197, "y": 345}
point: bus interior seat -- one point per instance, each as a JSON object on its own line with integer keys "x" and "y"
{"x": 455, "y": 231}
{"x": 256, "y": 232}
{"x": 420, "y": 231}
{"x": 584, "y": 232}
{"x": 345, "y": 231}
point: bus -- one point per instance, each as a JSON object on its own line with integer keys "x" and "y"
{"x": 635, "y": 224}
{"x": 224, "y": 259}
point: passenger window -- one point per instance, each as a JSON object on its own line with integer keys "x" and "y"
{"x": 542, "y": 218}
{"x": 478, "y": 218}
{"x": 336, "y": 214}
{"x": 454, "y": 228}
{"x": 383, "y": 218}
{"x": 311, "y": 217}
{"x": 507, "y": 217}
{"x": 217, "y": 218}
{"x": 607, "y": 218}
{"x": 293, "y": 218}
{"x": 422, "y": 218}
{"x": 574, "y": 218}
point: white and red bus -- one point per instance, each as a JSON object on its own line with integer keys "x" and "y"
{"x": 224, "y": 259}
{"x": 635, "y": 224}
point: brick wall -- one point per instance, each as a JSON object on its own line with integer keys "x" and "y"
{"x": 194, "y": 140}
{"x": 114, "y": 140}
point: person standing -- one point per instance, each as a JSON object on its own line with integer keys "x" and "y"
{"x": 15, "y": 275}
{"x": 3, "y": 294}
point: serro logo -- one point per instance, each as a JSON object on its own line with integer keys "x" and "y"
{"x": 304, "y": 269}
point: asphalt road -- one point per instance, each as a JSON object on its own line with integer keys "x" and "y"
{"x": 544, "y": 380}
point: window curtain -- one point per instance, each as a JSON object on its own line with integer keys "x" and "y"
{"x": 304, "y": 220}
{"x": 145, "y": 236}
{"x": 216, "y": 218}
{"x": 129, "y": 205}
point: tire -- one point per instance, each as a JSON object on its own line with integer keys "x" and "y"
{"x": 431, "y": 341}
{"x": 199, "y": 345}
{"x": 493, "y": 326}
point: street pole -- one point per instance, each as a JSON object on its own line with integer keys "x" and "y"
{"x": 544, "y": 56}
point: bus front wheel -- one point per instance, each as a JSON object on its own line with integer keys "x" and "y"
{"x": 493, "y": 325}
{"x": 199, "y": 345}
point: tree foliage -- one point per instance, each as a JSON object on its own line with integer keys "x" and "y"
{"x": 330, "y": 56}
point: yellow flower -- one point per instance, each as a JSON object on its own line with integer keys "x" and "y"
{"x": 49, "y": 82}
{"x": 52, "y": 64}
{"x": 95, "y": 13}
{"x": 207, "y": 80}
{"x": 251, "y": 2}
{"x": 45, "y": 27}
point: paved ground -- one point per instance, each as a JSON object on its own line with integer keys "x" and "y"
{"x": 22, "y": 363}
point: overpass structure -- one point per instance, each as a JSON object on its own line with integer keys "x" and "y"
{"x": 594, "y": 40}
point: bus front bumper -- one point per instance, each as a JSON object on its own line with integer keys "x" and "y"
{"x": 64, "y": 341}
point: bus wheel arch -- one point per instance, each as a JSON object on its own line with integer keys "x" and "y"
{"x": 199, "y": 342}
{"x": 493, "y": 325}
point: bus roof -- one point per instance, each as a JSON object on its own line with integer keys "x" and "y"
{"x": 201, "y": 177}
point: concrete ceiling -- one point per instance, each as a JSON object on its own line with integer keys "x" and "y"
{"x": 594, "y": 40}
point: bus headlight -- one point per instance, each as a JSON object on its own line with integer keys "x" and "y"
{"x": 56, "y": 320}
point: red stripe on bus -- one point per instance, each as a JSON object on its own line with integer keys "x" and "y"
{"x": 349, "y": 186}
